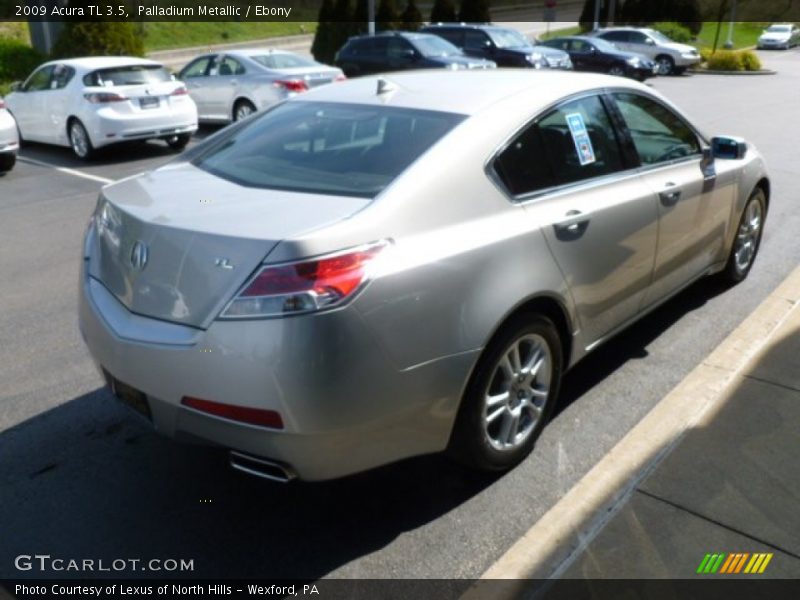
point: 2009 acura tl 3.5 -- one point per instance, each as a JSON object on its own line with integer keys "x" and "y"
{"x": 396, "y": 266}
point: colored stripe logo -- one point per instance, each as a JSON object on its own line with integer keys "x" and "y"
{"x": 734, "y": 563}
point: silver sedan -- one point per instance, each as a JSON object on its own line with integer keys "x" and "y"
{"x": 232, "y": 86}
{"x": 9, "y": 139}
{"x": 406, "y": 264}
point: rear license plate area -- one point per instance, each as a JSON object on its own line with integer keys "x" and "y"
{"x": 149, "y": 102}
{"x": 130, "y": 396}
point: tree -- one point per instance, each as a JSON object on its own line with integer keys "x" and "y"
{"x": 586, "y": 20}
{"x": 323, "y": 48}
{"x": 98, "y": 38}
{"x": 474, "y": 11}
{"x": 443, "y": 11}
{"x": 342, "y": 24}
{"x": 411, "y": 18}
{"x": 644, "y": 12}
{"x": 386, "y": 18}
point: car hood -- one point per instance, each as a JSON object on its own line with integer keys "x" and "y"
{"x": 775, "y": 37}
{"x": 198, "y": 236}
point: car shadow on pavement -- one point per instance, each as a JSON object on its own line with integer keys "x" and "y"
{"x": 89, "y": 480}
{"x": 632, "y": 343}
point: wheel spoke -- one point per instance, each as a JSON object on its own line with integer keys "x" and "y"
{"x": 492, "y": 417}
{"x": 509, "y": 427}
{"x": 500, "y": 398}
{"x": 515, "y": 361}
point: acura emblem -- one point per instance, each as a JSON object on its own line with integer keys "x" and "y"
{"x": 138, "y": 256}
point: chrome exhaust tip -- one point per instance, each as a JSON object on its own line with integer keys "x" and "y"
{"x": 261, "y": 467}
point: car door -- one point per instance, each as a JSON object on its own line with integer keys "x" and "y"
{"x": 599, "y": 218}
{"x": 642, "y": 44}
{"x": 57, "y": 103}
{"x": 196, "y": 77}
{"x": 587, "y": 56}
{"x": 400, "y": 54}
{"x": 478, "y": 44}
{"x": 618, "y": 38}
{"x": 29, "y": 104}
{"x": 693, "y": 206}
{"x": 223, "y": 85}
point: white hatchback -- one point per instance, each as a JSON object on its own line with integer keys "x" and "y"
{"x": 88, "y": 103}
{"x": 9, "y": 143}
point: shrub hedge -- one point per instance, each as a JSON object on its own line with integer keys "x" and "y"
{"x": 728, "y": 60}
{"x": 17, "y": 60}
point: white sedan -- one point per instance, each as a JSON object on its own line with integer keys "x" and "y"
{"x": 88, "y": 103}
{"x": 9, "y": 143}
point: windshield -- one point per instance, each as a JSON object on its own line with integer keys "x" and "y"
{"x": 778, "y": 28}
{"x": 283, "y": 61}
{"x": 659, "y": 37}
{"x": 604, "y": 46}
{"x": 326, "y": 148}
{"x": 432, "y": 45}
{"x": 508, "y": 38}
{"x": 129, "y": 75}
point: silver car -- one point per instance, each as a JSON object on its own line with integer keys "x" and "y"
{"x": 782, "y": 35}
{"x": 9, "y": 139}
{"x": 670, "y": 56}
{"x": 405, "y": 264}
{"x": 232, "y": 86}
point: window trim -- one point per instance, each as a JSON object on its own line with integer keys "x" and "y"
{"x": 491, "y": 171}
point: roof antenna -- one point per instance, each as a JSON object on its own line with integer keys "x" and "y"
{"x": 385, "y": 86}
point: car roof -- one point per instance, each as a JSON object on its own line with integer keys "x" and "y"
{"x": 482, "y": 26}
{"x": 409, "y": 35}
{"x": 248, "y": 52}
{"x": 103, "y": 62}
{"x": 465, "y": 92}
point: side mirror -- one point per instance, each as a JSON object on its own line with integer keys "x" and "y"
{"x": 16, "y": 86}
{"x": 732, "y": 148}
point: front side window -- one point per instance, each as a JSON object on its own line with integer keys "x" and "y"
{"x": 615, "y": 36}
{"x": 508, "y": 38}
{"x": 326, "y": 148}
{"x": 62, "y": 75}
{"x": 572, "y": 143}
{"x": 476, "y": 40}
{"x": 40, "y": 80}
{"x": 658, "y": 134}
{"x": 432, "y": 46}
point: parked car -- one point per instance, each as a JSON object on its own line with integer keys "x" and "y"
{"x": 593, "y": 54}
{"x": 404, "y": 264}
{"x": 88, "y": 103}
{"x": 785, "y": 36}
{"x": 9, "y": 141}
{"x": 506, "y": 47}
{"x": 231, "y": 86}
{"x": 399, "y": 50}
{"x": 671, "y": 57}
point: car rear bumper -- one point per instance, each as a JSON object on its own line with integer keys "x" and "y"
{"x": 108, "y": 126}
{"x": 344, "y": 405}
{"x": 9, "y": 147}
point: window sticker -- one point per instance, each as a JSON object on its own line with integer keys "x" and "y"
{"x": 580, "y": 136}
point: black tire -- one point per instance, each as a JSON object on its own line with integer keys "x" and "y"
{"x": 474, "y": 439}
{"x": 679, "y": 70}
{"x": 242, "y": 109}
{"x": 178, "y": 142}
{"x": 617, "y": 70}
{"x": 7, "y": 162}
{"x": 748, "y": 238}
{"x": 83, "y": 149}
{"x": 666, "y": 65}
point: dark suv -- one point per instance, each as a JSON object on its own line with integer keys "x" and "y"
{"x": 506, "y": 47}
{"x": 400, "y": 50}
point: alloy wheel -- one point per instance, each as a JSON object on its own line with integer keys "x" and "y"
{"x": 747, "y": 237}
{"x": 79, "y": 140}
{"x": 517, "y": 392}
{"x": 243, "y": 110}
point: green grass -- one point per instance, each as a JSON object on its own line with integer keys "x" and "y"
{"x": 559, "y": 32}
{"x": 745, "y": 35}
{"x": 16, "y": 30}
{"x": 168, "y": 35}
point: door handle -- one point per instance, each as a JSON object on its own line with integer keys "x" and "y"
{"x": 670, "y": 196}
{"x": 572, "y": 226}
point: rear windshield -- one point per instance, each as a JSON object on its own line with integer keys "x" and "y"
{"x": 283, "y": 61}
{"x": 128, "y": 75}
{"x": 326, "y": 148}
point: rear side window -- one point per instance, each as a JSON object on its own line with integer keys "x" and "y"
{"x": 572, "y": 143}
{"x": 658, "y": 134}
{"x": 128, "y": 75}
{"x": 326, "y": 148}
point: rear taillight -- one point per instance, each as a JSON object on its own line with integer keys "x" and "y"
{"x": 305, "y": 286}
{"x": 291, "y": 85}
{"x": 2, "y": 104}
{"x": 181, "y": 91}
{"x": 104, "y": 97}
{"x": 243, "y": 414}
{"x": 341, "y": 77}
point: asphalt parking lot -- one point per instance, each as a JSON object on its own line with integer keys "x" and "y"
{"x": 82, "y": 477}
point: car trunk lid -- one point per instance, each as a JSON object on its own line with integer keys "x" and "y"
{"x": 177, "y": 243}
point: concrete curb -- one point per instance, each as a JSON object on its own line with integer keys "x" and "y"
{"x": 733, "y": 73}
{"x": 567, "y": 528}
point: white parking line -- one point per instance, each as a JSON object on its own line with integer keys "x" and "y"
{"x": 73, "y": 172}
